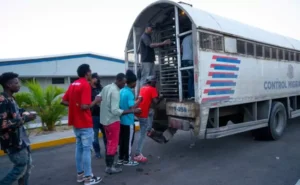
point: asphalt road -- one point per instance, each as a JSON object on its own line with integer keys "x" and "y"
{"x": 235, "y": 160}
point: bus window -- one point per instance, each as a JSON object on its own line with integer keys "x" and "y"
{"x": 267, "y": 52}
{"x": 274, "y": 53}
{"x": 292, "y": 56}
{"x": 280, "y": 54}
{"x": 205, "y": 41}
{"x": 259, "y": 50}
{"x": 250, "y": 49}
{"x": 241, "y": 47}
{"x": 286, "y": 55}
{"x": 217, "y": 42}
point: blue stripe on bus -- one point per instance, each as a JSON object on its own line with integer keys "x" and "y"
{"x": 220, "y": 92}
{"x": 229, "y": 68}
{"x": 224, "y": 76}
{"x": 228, "y": 60}
{"x": 220, "y": 84}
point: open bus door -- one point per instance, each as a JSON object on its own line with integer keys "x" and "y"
{"x": 172, "y": 78}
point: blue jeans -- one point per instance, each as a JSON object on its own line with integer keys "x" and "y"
{"x": 21, "y": 171}
{"x": 145, "y": 126}
{"x": 84, "y": 140}
{"x": 191, "y": 91}
{"x": 98, "y": 126}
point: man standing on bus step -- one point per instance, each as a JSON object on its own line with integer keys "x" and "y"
{"x": 148, "y": 54}
{"x": 96, "y": 89}
{"x": 187, "y": 60}
{"x": 110, "y": 113}
{"x": 78, "y": 99}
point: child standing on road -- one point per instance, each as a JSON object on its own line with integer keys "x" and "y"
{"x": 127, "y": 101}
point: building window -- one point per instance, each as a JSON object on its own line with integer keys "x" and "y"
{"x": 250, "y": 49}
{"x": 286, "y": 55}
{"x": 280, "y": 54}
{"x": 292, "y": 56}
{"x": 58, "y": 80}
{"x": 267, "y": 52}
{"x": 241, "y": 47}
{"x": 24, "y": 80}
{"x": 259, "y": 50}
{"x": 73, "y": 79}
{"x": 274, "y": 53}
{"x": 211, "y": 41}
{"x": 298, "y": 57}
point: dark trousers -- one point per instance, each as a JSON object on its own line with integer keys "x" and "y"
{"x": 191, "y": 91}
{"x": 126, "y": 141}
{"x": 97, "y": 126}
{"x": 21, "y": 171}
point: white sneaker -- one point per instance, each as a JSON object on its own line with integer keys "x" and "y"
{"x": 92, "y": 180}
{"x": 130, "y": 163}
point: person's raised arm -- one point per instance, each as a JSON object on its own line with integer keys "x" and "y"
{"x": 147, "y": 42}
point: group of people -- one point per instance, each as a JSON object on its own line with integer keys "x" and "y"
{"x": 111, "y": 109}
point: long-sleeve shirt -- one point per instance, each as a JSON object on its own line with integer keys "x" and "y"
{"x": 110, "y": 111}
{"x": 96, "y": 109}
{"x": 14, "y": 137}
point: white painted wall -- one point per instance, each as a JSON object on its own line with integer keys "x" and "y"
{"x": 66, "y": 67}
{"x": 45, "y": 81}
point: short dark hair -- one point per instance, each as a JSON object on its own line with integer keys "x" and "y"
{"x": 130, "y": 77}
{"x": 5, "y": 77}
{"x": 120, "y": 76}
{"x": 95, "y": 75}
{"x": 83, "y": 69}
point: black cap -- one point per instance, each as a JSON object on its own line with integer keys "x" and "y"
{"x": 95, "y": 75}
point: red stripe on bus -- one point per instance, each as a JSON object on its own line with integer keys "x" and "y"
{"x": 215, "y": 57}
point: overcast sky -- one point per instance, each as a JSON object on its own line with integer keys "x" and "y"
{"x": 45, "y": 27}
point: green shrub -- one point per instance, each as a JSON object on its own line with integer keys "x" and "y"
{"x": 46, "y": 102}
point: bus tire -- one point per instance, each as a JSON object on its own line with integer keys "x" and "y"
{"x": 277, "y": 123}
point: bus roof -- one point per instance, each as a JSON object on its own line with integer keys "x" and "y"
{"x": 205, "y": 20}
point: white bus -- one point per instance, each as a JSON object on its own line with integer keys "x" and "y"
{"x": 245, "y": 78}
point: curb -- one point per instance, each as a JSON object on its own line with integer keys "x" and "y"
{"x": 57, "y": 142}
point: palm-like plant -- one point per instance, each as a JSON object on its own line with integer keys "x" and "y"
{"x": 45, "y": 102}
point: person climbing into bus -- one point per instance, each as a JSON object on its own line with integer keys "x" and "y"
{"x": 148, "y": 54}
{"x": 127, "y": 130}
{"x": 187, "y": 60}
{"x": 149, "y": 95}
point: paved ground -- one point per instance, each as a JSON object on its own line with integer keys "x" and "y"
{"x": 233, "y": 160}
